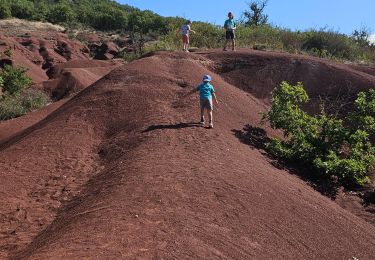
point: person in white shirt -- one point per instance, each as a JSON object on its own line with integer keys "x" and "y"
{"x": 185, "y": 31}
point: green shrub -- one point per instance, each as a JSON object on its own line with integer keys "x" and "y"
{"x": 1, "y": 86}
{"x": 22, "y": 9}
{"x": 207, "y": 36}
{"x": 15, "y": 79}
{"x": 12, "y": 106}
{"x": 61, "y": 13}
{"x": 33, "y": 99}
{"x": 331, "y": 146}
{"x": 330, "y": 44}
{"x": 107, "y": 18}
{"x": 42, "y": 9}
{"x": 5, "y": 11}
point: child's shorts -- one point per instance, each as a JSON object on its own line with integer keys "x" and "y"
{"x": 207, "y": 103}
{"x": 185, "y": 39}
{"x": 230, "y": 35}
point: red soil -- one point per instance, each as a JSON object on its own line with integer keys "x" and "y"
{"x": 40, "y": 52}
{"x": 119, "y": 171}
{"x": 73, "y": 76}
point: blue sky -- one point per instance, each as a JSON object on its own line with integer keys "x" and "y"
{"x": 342, "y": 15}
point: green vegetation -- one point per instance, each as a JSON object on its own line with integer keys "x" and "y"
{"x": 99, "y": 14}
{"x": 145, "y": 26}
{"x": 14, "y": 79}
{"x": 323, "y": 43}
{"x": 16, "y": 98}
{"x": 329, "y": 145}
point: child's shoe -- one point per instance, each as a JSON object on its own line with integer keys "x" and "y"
{"x": 210, "y": 126}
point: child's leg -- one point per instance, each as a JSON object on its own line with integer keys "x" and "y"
{"x": 210, "y": 116}
{"x": 233, "y": 44}
{"x": 226, "y": 44}
{"x": 184, "y": 41}
{"x": 202, "y": 113}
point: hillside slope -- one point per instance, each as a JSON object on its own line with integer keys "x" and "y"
{"x": 122, "y": 170}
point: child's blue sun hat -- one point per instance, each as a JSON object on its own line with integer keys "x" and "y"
{"x": 207, "y": 78}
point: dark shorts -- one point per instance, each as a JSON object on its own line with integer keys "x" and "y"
{"x": 230, "y": 35}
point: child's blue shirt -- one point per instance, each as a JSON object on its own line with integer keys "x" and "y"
{"x": 205, "y": 90}
{"x": 230, "y": 24}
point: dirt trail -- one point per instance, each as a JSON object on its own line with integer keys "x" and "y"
{"x": 122, "y": 170}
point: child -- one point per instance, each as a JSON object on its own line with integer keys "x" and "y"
{"x": 185, "y": 31}
{"x": 206, "y": 92}
{"x": 230, "y": 26}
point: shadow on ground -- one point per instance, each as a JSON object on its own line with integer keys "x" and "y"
{"x": 257, "y": 138}
{"x": 172, "y": 126}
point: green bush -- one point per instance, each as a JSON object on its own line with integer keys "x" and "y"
{"x": 207, "y": 36}
{"x": 22, "y": 9}
{"x": 33, "y": 99}
{"x": 42, "y": 9}
{"x": 17, "y": 98}
{"x": 330, "y": 44}
{"x": 329, "y": 145}
{"x": 14, "y": 79}
{"x": 105, "y": 17}
{"x": 12, "y": 106}
{"x": 1, "y": 86}
{"x": 5, "y": 11}
{"x": 61, "y": 13}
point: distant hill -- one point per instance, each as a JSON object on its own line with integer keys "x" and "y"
{"x": 99, "y": 14}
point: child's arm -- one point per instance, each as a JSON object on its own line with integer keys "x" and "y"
{"x": 190, "y": 92}
{"x": 193, "y": 31}
{"x": 216, "y": 101}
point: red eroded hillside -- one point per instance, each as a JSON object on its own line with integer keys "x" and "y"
{"x": 123, "y": 170}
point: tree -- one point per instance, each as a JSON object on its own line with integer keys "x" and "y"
{"x": 61, "y": 13}
{"x": 141, "y": 22}
{"x": 255, "y": 16}
{"x": 362, "y": 36}
{"x": 22, "y": 9}
{"x": 105, "y": 17}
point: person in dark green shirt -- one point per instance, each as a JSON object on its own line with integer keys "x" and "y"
{"x": 229, "y": 26}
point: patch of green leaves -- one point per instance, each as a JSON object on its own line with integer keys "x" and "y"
{"x": 329, "y": 145}
{"x": 14, "y": 79}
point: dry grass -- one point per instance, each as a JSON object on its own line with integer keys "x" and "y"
{"x": 15, "y": 26}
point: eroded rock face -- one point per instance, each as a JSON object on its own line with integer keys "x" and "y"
{"x": 39, "y": 52}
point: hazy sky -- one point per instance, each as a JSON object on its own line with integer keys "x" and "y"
{"x": 341, "y": 15}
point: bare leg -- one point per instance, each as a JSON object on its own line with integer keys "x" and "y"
{"x": 226, "y": 44}
{"x": 233, "y": 44}
{"x": 202, "y": 114}
{"x": 210, "y": 117}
